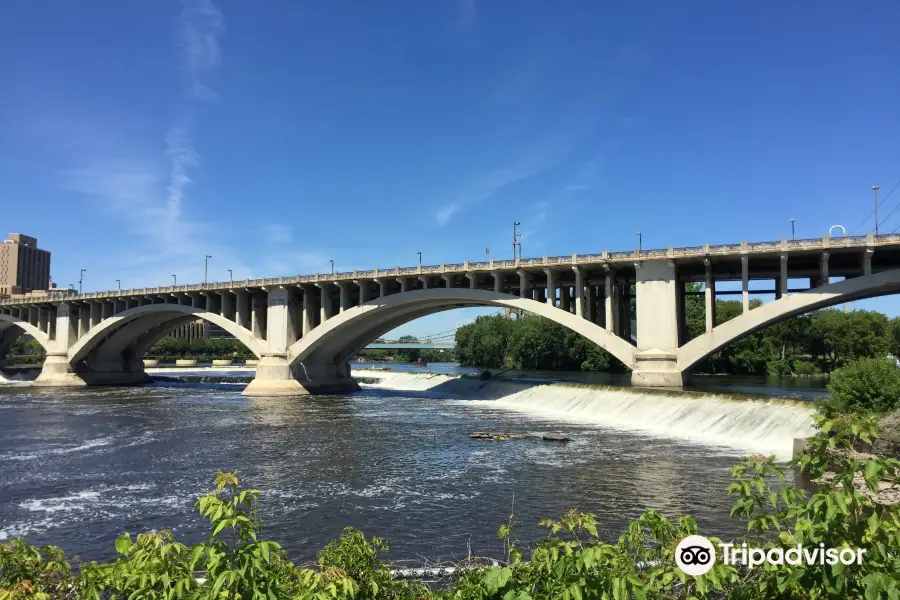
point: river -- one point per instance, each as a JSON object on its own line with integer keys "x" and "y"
{"x": 79, "y": 467}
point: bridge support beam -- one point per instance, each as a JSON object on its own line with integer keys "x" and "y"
{"x": 656, "y": 359}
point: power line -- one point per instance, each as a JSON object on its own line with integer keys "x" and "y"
{"x": 888, "y": 195}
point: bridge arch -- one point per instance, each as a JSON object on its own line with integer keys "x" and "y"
{"x": 831, "y": 294}
{"x": 340, "y": 337}
{"x": 10, "y": 323}
{"x": 137, "y": 326}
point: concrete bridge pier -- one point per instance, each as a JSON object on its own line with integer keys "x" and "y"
{"x": 277, "y": 374}
{"x": 656, "y": 358}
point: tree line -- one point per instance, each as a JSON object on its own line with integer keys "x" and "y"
{"x": 810, "y": 344}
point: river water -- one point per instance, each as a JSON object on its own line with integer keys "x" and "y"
{"x": 79, "y": 467}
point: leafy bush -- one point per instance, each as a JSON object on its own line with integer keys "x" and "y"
{"x": 865, "y": 385}
{"x": 571, "y": 563}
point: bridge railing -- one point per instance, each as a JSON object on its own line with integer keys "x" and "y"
{"x": 679, "y": 252}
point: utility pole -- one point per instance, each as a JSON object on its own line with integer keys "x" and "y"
{"x": 875, "y": 192}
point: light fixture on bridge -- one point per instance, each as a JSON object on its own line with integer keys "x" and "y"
{"x": 332, "y": 267}
{"x": 81, "y": 279}
{"x": 230, "y": 277}
{"x": 420, "y": 260}
{"x": 206, "y": 267}
{"x": 793, "y": 237}
{"x": 640, "y": 242}
{"x": 119, "y": 284}
{"x": 174, "y": 280}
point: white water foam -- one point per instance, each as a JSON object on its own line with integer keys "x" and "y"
{"x": 764, "y": 426}
{"x": 56, "y": 451}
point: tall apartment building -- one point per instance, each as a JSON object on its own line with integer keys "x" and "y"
{"x": 23, "y": 266}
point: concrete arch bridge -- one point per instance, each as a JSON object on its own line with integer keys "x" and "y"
{"x": 305, "y": 329}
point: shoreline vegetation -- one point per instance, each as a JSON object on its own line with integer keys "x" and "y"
{"x": 573, "y": 561}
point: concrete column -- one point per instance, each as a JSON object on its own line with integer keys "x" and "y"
{"x": 590, "y": 306}
{"x": 96, "y": 313}
{"x": 524, "y": 289}
{"x": 579, "y": 292}
{"x": 680, "y": 311}
{"x": 783, "y": 279}
{"x": 657, "y": 324}
{"x": 867, "y": 261}
{"x": 823, "y": 268}
{"x": 448, "y": 279}
{"x": 426, "y": 281}
{"x": 259, "y": 306}
{"x": 473, "y": 280}
{"x": 326, "y": 309}
{"x": 745, "y": 282}
{"x": 343, "y": 286}
{"x": 242, "y": 298}
{"x": 382, "y": 287}
{"x": 308, "y": 318}
{"x": 84, "y": 318}
{"x": 551, "y": 287}
{"x": 227, "y": 305}
{"x": 565, "y": 297}
{"x": 280, "y": 325}
{"x": 710, "y": 297}
{"x": 196, "y": 300}
{"x": 34, "y": 315}
{"x": 404, "y": 284}
{"x": 184, "y": 299}
{"x": 363, "y": 291}
{"x": 106, "y": 310}
{"x": 44, "y": 319}
{"x": 498, "y": 281}
{"x": 610, "y": 304}
{"x": 66, "y": 327}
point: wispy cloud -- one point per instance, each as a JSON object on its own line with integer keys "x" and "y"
{"x": 489, "y": 184}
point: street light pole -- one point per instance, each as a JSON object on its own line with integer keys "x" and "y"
{"x": 332, "y": 267}
{"x": 230, "y": 278}
{"x": 420, "y": 260}
{"x": 640, "y": 242}
{"x": 793, "y": 237}
{"x": 174, "y": 280}
{"x": 119, "y": 284}
{"x": 875, "y": 192}
{"x": 516, "y": 237}
{"x": 206, "y": 267}
{"x": 519, "y": 244}
{"x": 81, "y": 279}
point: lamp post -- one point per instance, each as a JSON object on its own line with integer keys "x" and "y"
{"x": 230, "y": 278}
{"x": 206, "y": 267}
{"x": 174, "y": 280}
{"x": 332, "y": 267}
{"x": 81, "y": 279}
{"x": 420, "y": 260}
{"x": 640, "y": 242}
{"x": 793, "y": 237}
{"x": 516, "y": 237}
{"x": 119, "y": 284}
{"x": 519, "y": 244}
{"x": 875, "y": 192}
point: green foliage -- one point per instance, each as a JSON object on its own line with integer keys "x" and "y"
{"x": 529, "y": 342}
{"x": 572, "y": 562}
{"x": 170, "y": 347}
{"x": 863, "y": 386}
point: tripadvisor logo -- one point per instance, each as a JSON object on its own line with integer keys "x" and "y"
{"x": 696, "y": 555}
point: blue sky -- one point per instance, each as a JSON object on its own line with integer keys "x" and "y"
{"x": 137, "y": 137}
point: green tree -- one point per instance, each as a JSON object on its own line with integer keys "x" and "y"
{"x": 484, "y": 342}
{"x": 863, "y": 386}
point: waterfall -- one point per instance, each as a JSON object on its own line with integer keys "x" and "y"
{"x": 756, "y": 425}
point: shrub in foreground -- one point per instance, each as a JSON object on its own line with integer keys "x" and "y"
{"x": 867, "y": 385}
{"x": 570, "y": 564}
